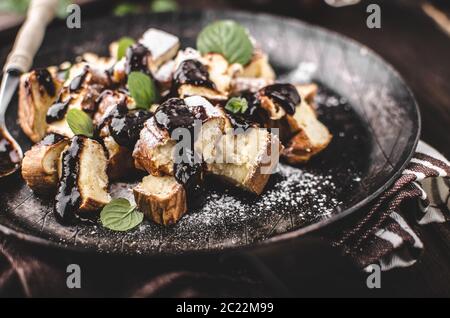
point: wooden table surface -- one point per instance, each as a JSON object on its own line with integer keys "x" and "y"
{"x": 414, "y": 44}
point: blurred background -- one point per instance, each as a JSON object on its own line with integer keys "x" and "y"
{"x": 414, "y": 37}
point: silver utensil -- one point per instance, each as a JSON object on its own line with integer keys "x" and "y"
{"x": 28, "y": 40}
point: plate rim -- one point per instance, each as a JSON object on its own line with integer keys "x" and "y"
{"x": 282, "y": 237}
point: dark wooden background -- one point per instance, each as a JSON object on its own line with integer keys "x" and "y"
{"x": 419, "y": 49}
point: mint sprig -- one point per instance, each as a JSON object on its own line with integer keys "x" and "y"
{"x": 124, "y": 43}
{"x": 142, "y": 89}
{"x": 120, "y": 215}
{"x": 80, "y": 123}
{"x": 228, "y": 38}
{"x": 126, "y": 8}
{"x": 163, "y": 5}
{"x": 237, "y": 105}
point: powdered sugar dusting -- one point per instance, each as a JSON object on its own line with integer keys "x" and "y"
{"x": 224, "y": 216}
{"x": 293, "y": 198}
{"x": 228, "y": 217}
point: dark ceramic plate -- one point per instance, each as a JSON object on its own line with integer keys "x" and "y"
{"x": 367, "y": 106}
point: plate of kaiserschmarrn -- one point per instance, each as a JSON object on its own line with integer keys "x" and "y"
{"x": 200, "y": 131}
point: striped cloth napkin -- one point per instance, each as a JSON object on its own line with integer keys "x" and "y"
{"x": 385, "y": 236}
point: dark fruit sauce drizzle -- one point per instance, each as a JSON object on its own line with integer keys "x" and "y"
{"x": 285, "y": 95}
{"x": 248, "y": 119}
{"x": 192, "y": 72}
{"x": 126, "y": 127}
{"x": 68, "y": 197}
{"x": 239, "y": 122}
{"x": 118, "y": 110}
{"x": 173, "y": 114}
{"x": 137, "y": 59}
{"x": 78, "y": 80}
{"x": 9, "y": 156}
{"x": 52, "y": 139}
{"x": 105, "y": 93}
{"x": 58, "y": 110}
{"x": 45, "y": 80}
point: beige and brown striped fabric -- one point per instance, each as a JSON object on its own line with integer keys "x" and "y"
{"x": 419, "y": 197}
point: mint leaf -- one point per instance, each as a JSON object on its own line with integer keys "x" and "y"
{"x": 67, "y": 73}
{"x": 80, "y": 122}
{"x": 142, "y": 89}
{"x": 61, "y": 11}
{"x": 124, "y": 44}
{"x": 126, "y": 8}
{"x": 21, "y": 6}
{"x": 16, "y": 6}
{"x": 163, "y": 5}
{"x": 227, "y": 38}
{"x": 237, "y": 105}
{"x": 120, "y": 215}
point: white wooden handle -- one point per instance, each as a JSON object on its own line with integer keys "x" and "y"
{"x": 31, "y": 34}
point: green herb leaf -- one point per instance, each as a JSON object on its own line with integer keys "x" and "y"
{"x": 16, "y": 6}
{"x": 67, "y": 73}
{"x": 142, "y": 89}
{"x": 227, "y": 38}
{"x": 21, "y": 6}
{"x": 61, "y": 11}
{"x": 237, "y": 105}
{"x": 163, "y": 5}
{"x": 124, "y": 44}
{"x": 120, "y": 215}
{"x": 80, "y": 122}
{"x": 126, "y": 8}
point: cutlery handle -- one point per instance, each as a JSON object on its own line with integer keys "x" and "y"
{"x": 31, "y": 34}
